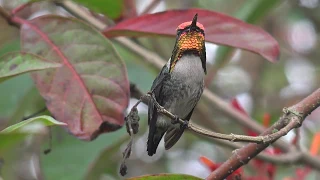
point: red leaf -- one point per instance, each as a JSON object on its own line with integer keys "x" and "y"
{"x": 213, "y": 166}
{"x": 90, "y": 91}
{"x": 295, "y": 140}
{"x": 314, "y": 149}
{"x": 210, "y": 164}
{"x": 266, "y": 119}
{"x": 302, "y": 173}
{"x": 271, "y": 170}
{"x": 219, "y": 28}
{"x": 235, "y": 104}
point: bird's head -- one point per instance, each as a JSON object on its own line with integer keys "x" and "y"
{"x": 190, "y": 39}
{"x": 190, "y": 35}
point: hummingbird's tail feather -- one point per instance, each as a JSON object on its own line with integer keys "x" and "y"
{"x": 155, "y": 133}
{"x": 172, "y": 136}
{"x": 153, "y": 143}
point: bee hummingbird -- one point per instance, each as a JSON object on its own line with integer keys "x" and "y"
{"x": 179, "y": 85}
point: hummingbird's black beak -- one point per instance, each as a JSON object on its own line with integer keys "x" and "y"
{"x": 194, "y": 22}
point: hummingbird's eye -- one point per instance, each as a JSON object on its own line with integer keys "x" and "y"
{"x": 179, "y": 31}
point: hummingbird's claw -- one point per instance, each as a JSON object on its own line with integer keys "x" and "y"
{"x": 184, "y": 125}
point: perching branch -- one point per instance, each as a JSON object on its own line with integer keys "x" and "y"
{"x": 230, "y": 137}
{"x": 292, "y": 117}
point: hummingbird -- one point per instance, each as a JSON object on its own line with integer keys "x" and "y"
{"x": 179, "y": 86}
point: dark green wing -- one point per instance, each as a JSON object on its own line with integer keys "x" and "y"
{"x": 156, "y": 89}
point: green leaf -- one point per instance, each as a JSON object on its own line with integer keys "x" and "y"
{"x": 9, "y": 36}
{"x": 10, "y": 46}
{"x": 165, "y": 177}
{"x": 10, "y": 139}
{"x": 16, "y": 133}
{"x": 77, "y": 155}
{"x": 13, "y": 135}
{"x": 16, "y": 63}
{"x": 111, "y": 8}
{"x": 11, "y": 92}
{"x": 104, "y": 163}
{"x": 100, "y": 166}
{"x": 44, "y": 120}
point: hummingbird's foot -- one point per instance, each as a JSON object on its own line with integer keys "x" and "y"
{"x": 184, "y": 125}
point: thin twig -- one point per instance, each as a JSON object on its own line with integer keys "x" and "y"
{"x": 135, "y": 92}
{"x": 230, "y": 137}
{"x": 48, "y": 150}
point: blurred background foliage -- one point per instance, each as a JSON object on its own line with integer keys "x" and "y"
{"x": 259, "y": 86}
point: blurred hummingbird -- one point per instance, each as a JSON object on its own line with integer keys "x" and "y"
{"x": 179, "y": 85}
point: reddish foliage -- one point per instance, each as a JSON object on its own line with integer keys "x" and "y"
{"x": 213, "y": 166}
{"x": 210, "y": 164}
{"x": 266, "y": 119}
{"x": 314, "y": 149}
{"x": 90, "y": 91}
{"x": 235, "y": 104}
{"x": 219, "y": 28}
{"x": 295, "y": 140}
{"x": 303, "y": 172}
